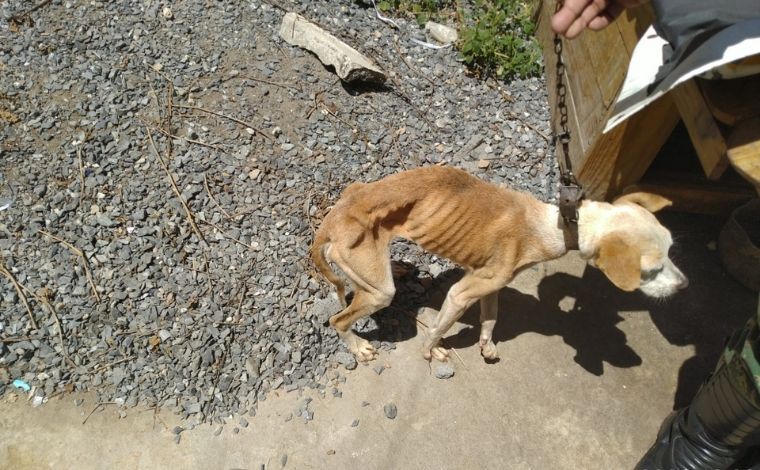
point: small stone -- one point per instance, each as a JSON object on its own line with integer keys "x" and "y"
{"x": 441, "y": 33}
{"x": 365, "y": 403}
{"x": 331, "y": 452}
{"x": 243, "y": 423}
{"x": 444, "y": 371}
{"x": 483, "y": 164}
{"x": 178, "y": 429}
{"x": 167, "y": 13}
{"x": 567, "y": 304}
{"x": 390, "y": 410}
{"x": 284, "y": 459}
{"x": 346, "y": 359}
{"x": 378, "y": 369}
{"x": 177, "y": 438}
{"x": 218, "y": 430}
{"x": 192, "y": 408}
{"x": 354, "y": 423}
{"x": 235, "y": 430}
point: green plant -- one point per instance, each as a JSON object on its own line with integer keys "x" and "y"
{"x": 499, "y": 40}
{"x": 495, "y": 36}
{"x": 422, "y": 10}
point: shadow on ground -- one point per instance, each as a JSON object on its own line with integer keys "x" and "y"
{"x": 702, "y": 316}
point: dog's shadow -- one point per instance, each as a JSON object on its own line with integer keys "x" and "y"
{"x": 587, "y": 321}
{"x": 589, "y": 325}
{"x": 701, "y": 316}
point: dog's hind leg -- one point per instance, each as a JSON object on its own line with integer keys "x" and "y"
{"x": 370, "y": 274}
{"x": 489, "y": 306}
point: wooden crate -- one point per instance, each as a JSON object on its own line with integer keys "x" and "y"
{"x": 606, "y": 164}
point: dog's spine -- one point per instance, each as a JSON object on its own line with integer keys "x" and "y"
{"x": 319, "y": 260}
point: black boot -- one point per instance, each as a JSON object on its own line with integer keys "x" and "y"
{"x": 683, "y": 443}
{"x": 721, "y": 427}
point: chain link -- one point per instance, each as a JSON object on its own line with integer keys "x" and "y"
{"x": 570, "y": 192}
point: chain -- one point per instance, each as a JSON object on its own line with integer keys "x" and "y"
{"x": 570, "y": 192}
{"x": 562, "y": 136}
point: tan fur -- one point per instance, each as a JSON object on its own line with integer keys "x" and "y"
{"x": 620, "y": 262}
{"x": 650, "y": 202}
{"x": 490, "y": 231}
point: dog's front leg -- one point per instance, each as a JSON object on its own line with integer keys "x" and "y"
{"x": 489, "y": 306}
{"x": 460, "y": 297}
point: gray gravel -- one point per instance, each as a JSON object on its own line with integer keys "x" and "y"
{"x": 390, "y": 410}
{"x": 444, "y": 371}
{"x": 208, "y": 327}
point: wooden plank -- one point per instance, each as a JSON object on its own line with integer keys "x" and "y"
{"x": 610, "y": 55}
{"x": 732, "y": 100}
{"x": 582, "y": 72}
{"x": 596, "y": 64}
{"x": 633, "y": 23}
{"x": 697, "y": 198}
{"x": 621, "y": 157}
{"x": 703, "y": 130}
{"x": 744, "y": 150}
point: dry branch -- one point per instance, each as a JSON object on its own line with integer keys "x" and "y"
{"x": 44, "y": 298}
{"x": 20, "y": 293}
{"x": 82, "y": 256}
{"x": 233, "y": 119}
{"x": 188, "y": 212}
{"x": 211, "y": 196}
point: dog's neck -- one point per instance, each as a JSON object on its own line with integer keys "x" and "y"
{"x": 589, "y": 213}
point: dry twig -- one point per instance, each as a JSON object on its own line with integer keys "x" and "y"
{"x": 19, "y": 17}
{"x": 443, "y": 341}
{"x": 112, "y": 364}
{"x": 20, "y": 293}
{"x": 196, "y": 142}
{"x": 44, "y": 298}
{"x": 261, "y": 80}
{"x": 221, "y": 230}
{"x": 208, "y": 273}
{"x": 81, "y": 167}
{"x": 188, "y": 212}
{"x": 82, "y": 256}
{"x": 16, "y": 339}
{"x": 233, "y": 119}
{"x": 410, "y": 67}
{"x": 211, "y": 196}
{"x": 103, "y": 403}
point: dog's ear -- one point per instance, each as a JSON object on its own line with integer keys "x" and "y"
{"x": 649, "y": 201}
{"x": 620, "y": 262}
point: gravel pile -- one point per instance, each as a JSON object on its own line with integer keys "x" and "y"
{"x": 204, "y": 302}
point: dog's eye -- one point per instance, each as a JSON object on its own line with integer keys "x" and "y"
{"x": 649, "y": 274}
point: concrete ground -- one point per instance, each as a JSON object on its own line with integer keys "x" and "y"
{"x": 587, "y": 373}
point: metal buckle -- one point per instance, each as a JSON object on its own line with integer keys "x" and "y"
{"x": 569, "y": 195}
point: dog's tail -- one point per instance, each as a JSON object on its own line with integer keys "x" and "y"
{"x": 319, "y": 260}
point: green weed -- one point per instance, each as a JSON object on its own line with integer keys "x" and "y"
{"x": 496, "y": 37}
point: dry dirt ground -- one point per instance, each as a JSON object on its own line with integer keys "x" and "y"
{"x": 586, "y": 375}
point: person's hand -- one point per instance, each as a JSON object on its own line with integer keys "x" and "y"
{"x": 577, "y": 15}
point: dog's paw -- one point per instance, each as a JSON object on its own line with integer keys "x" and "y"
{"x": 439, "y": 353}
{"x": 488, "y": 349}
{"x": 363, "y": 350}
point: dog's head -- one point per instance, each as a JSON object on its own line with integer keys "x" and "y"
{"x": 632, "y": 247}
